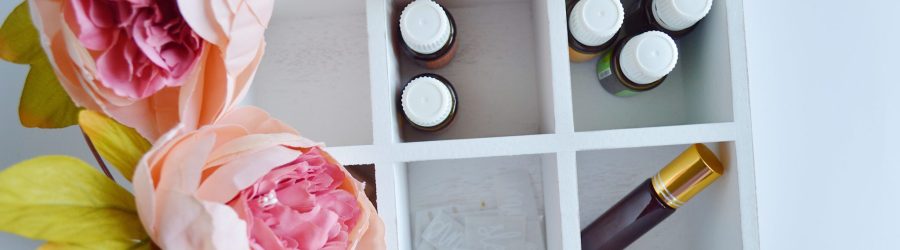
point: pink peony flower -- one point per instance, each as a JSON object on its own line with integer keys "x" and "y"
{"x": 299, "y": 206}
{"x": 251, "y": 182}
{"x": 140, "y": 46}
{"x": 152, "y": 64}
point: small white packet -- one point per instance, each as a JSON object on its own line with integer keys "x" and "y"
{"x": 420, "y": 222}
{"x": 444, "y": 232}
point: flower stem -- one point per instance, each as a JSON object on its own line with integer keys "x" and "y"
{"x": 97, "y": 156}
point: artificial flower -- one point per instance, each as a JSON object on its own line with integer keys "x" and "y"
{"x": 152, "y": 64}
{"x": 251, "y": 182}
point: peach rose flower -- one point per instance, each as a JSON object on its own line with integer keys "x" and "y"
{"x": 251, "y": 182}
{"x": 152, "y": 64}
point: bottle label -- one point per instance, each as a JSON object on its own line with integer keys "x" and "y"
{"x": 604, "y": 66}
{"x": 626, "y": 93}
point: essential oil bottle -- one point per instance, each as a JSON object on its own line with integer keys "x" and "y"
{"x": 428, "y": 34}
{"x": 654, "y": 200}
{"x": 429, "y": 102}
{"x": 593, "y": 25}
{"x": 674, "y": 17}
{"x": 639, "y": 63}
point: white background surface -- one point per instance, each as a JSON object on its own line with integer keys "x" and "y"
{"x": 825, "y": 109}
{"x": 825, "y": 105}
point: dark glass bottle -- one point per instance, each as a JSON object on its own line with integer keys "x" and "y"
{"x": 593, "y": 26}
{"x": 428, "y": 34}
{"x": 639, "y": 63}
{"x": 640, "y": 210}
{"x": 675, "y": 18}
{"x": 653, "y": 201}
{"x": 428, "y": 102}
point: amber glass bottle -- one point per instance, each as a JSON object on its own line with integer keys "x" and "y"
{"x": 653, "y": 201}
{"x": 428, "y": 34}
{"x": 593, "y": 26}
{"x": 674, "y": 17}
{"x": 429, "y": 102}
{"x": 638, "y": 64}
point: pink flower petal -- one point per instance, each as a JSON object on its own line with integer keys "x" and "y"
{"x": 203, "y": 21}
{"x": 88, "y": 14}
{"x": 147, "y": 40}
{"x": 265, "y": 238}
{"x": 100, "y": 14}
{"x": 310, "y": 230}
{"x": 186, "y": 223}
{"x": 184, "y": 163}
{"x": 225, "y": 183}
{"x": 297, "y": 197}
{"x": 249, "y": 33}
{"x": 262, "y": 10}
{"x": 232, "y": 149}
{"x": 116, "y": 68}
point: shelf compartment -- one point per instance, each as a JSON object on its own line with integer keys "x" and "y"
{"x": 365, "y": 173}
{"x": 699, "y": 90}
{"x": 499, "y": 72}
{"x": 510, "y": 187}
{"x": 711, "y": 220}
{"x": 315, "y": 74}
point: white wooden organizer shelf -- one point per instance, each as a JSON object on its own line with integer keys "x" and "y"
{"x": 333, "y": 71}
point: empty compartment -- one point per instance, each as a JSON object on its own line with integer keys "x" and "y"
{"x": 500, "y": 71}
{"x": 315, "y": 74}
{"x": 711, "y": 220}
{"x": 699, "y": 90}
{"x": 478, "y": 203}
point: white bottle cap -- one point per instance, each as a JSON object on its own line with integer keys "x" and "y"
{"x": 426, "y": 101}
{"x": 648, "y": 57}
{"x": 676, "y": 15}
{"x": 594, "y": 22}
{"x": 424, "y": 26}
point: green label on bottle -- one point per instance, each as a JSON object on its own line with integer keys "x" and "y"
{"x": 604, "y": 68}
{"x": 626, "y": 93}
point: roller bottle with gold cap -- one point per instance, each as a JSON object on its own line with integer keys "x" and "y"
{"x": 654, "y": 200}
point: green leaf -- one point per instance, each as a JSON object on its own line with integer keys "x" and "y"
{"x": 121, "y": 146}
{"x": 19, "y": 40}
{"x": 63, "y": 200}
{"x": 44, "y": 103}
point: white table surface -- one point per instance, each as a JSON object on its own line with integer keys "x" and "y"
{"x": 825, "y": 111}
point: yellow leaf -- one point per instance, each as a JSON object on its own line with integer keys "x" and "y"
{"x": 102, "y": 245}
{"x": 63, "y": 200}
{"x": 121, "y": 146}
{"x": 19, "y": 41}
{"x": 44, "y": 103}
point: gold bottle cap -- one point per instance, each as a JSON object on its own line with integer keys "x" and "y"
{"x": 687, "y": 175}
